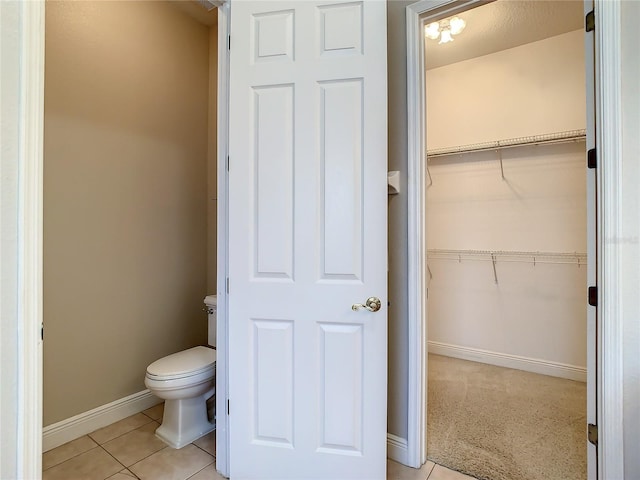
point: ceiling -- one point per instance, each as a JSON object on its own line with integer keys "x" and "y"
{"x": 506, "y": 24}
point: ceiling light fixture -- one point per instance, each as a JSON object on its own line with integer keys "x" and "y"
{"x": 445, "y": 29}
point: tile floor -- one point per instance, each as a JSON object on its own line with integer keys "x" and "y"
{"x": 129, "y": 449}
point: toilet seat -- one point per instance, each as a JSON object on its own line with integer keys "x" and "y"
{"x": 188, "y": 363}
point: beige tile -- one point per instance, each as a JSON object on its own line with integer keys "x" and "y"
{"x": 119, "y": 428}
{"x": 123, "y": 475}
{"x": 209, "y": 473}
{"x": 96, "y": 464}
{"x": 443, "y": 473}
{"x": 171, "y": 464}
{"x": 67, "y": 451}
{"x": 135, "y": 445}
{"x": 207, "y": 443}
{"x": 396, "y": 471}
{"x": 155, "y": 412}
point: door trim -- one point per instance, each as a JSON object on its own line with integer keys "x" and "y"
{"x": 21, "y": 340}
{"x": 609, "y": 226}
{"x": 222, "y": 363}
{"x": 417, "y": 238}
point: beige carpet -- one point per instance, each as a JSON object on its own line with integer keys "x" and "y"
{"x": 496, "y": 423}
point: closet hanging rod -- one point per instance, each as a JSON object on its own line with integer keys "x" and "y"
{"x": 546, "y": 139}
{"x": 502, "y": 256}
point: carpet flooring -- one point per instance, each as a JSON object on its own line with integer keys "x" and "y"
{"x": 497, "y": 423}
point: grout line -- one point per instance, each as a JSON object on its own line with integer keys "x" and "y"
{"x": 431, "y": 471}
{"x": 206, "y": 466}
{"x": 159, "y": 420}
{"x": 150, "y": 455}
{"x": 133, "y": 475}
{"x": 129, "y": 474}
{"x": 108, "y": 453}
{"x": 74, "y": 456}
{"x": 122, "y": 434}
{"x": 208, "y": 453}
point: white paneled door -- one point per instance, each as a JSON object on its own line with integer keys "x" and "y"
{"x": 307, "y": 240}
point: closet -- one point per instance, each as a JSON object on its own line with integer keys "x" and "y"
{"x": 506, "y": 224}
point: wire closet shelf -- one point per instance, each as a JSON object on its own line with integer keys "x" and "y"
{"x": 545, "y": 139}
{"x": 502, "y": 256}
{"x": 563, "y": 258}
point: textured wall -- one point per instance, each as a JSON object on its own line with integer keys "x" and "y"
{"x": 125, "y": 194}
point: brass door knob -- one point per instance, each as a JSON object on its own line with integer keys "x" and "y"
{"x": 372, "y": 304}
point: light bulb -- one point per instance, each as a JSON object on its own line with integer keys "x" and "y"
{"x": 445, "y": 36}
{"x": 457, "y": 25}
{"x": 432, "y": 30}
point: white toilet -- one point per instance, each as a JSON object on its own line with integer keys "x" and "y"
{"x": 185, "y": 380}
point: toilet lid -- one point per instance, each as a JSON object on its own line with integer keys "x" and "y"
{"x": 189, "y": 361}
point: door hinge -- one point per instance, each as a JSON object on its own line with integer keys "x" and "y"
{"x": 227, "y": 406}
{"x": 592, "y": 433}
{"x": 227, "y": 163}
{"x": 229, "y": 42}
{"x": 593, "y": 296}
{"x": 42, "y": 331}
{"x": 592, "y": 158}
{"x": 227, "y": 285}
{"x": 590, "y": 22}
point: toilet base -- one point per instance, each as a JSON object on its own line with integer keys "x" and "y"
{"x": 184, "y": 421}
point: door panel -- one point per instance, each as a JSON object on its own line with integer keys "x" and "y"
{"x": 307, "y": 240}
{"x": 272, "y": 377}
{"x": 272, "y": 132}
{"x": 341, "y": 139}
{"x": 341, "y": 388}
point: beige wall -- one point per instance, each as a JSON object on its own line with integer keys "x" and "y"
{"x": 212, "y": 166}
{"x": 125, "y": 196}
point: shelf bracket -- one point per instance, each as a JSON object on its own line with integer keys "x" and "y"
{"x": 393, "y": 182}
{"x": 501, "y": 167}
{"x": 495, "y": 274}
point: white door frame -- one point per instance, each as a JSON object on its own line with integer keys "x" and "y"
{"x": 609, "y": 227}
{"x": 417, "y": 254}
{"x": 222, "y": 362}
{"x": 22, "y": 114}
{"x": 610, "y": 322}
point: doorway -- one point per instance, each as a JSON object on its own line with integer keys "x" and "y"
{"x": 446, "y": 263}
{"x": 506, "y": 224}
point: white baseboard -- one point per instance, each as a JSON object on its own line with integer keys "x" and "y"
{"x": 62, "y": 432}
{"x": 397, "y": 448}
{"x": 534, "y": 365}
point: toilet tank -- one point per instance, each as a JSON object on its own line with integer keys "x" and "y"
{"x": 211, "y": 303}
